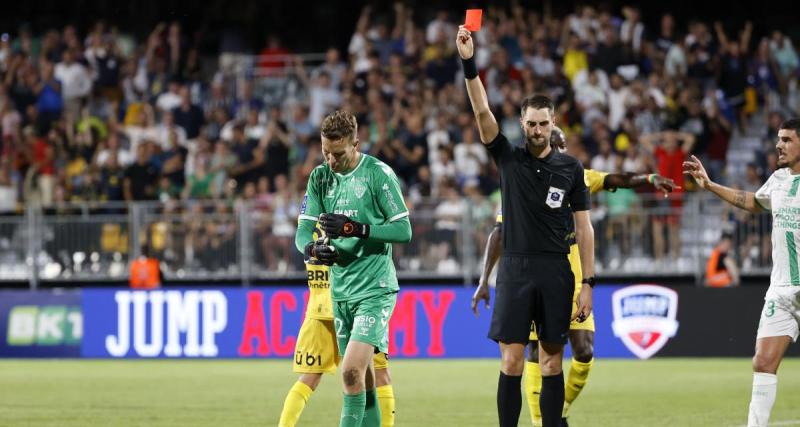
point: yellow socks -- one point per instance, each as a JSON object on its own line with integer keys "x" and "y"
{"x": 533, "y": 387}
{"x": 576, "y": 380}
{"x": 294, "y": 404}
{"x": 386, "y": 402}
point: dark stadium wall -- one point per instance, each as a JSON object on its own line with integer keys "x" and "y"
{"x": 318, "y": 24}
{"x": 718, "y": 323}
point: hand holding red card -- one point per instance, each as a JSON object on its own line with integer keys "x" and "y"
{"x": 472, "y": 21}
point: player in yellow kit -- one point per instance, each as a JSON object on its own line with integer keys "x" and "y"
{"x": 581, "y": 332}
{"x": 316, "y": 351}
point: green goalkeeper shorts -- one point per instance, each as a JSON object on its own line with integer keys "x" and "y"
{"x": 365, "y": 320}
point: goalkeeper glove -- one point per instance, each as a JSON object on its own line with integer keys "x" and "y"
{"x": 323, "y": 252}
{"x": 337, "y": 225}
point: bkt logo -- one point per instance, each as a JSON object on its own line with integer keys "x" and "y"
{"x": 44, "y": 325}
{"x": 180, "y": 314}
{"x": 644, "y": 318}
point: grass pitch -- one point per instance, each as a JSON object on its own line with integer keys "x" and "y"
{"x": 660, "y": 392}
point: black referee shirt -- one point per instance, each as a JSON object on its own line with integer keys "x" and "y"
{"x": 539, "y": 196}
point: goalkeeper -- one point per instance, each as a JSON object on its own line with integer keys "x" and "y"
{"x": 357, "y": 200}
{"x": 316, "y": 354}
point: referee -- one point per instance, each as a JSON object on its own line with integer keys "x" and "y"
{"x": 543, "y": 189}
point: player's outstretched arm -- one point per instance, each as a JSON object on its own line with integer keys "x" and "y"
{"x": 494, "y": 249}
{"x": 584, "y": 235}
{"x": 739, "y": 198}
{"x": 487, "y": 125}
{"x": 631, "y": 180}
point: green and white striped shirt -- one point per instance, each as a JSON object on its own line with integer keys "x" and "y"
{"x": 780, "y": 196}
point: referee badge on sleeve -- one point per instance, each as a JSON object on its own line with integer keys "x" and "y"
{"x": 555, "y": 197}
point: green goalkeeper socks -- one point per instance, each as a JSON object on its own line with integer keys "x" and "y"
{"x": 372, "y": 411}
{"x": 353, "y": 410}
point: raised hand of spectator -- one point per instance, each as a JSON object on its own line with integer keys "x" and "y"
{"x": 464, "y": 43}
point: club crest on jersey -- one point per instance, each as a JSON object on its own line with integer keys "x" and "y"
{"x": 644, "y": 318}
{"x": 555, "y": 197}
{"x": 359, "y": 189}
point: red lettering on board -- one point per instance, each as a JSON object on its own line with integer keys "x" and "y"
{"x": 255, "y": 326}
{"x": 279, "y": 300}
{"x": 404, "y": 320}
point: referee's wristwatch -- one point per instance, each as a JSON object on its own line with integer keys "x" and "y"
{"x": 589, "y": 281}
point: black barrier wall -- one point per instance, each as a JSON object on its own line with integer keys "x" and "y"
{"x": 718, "y": 323}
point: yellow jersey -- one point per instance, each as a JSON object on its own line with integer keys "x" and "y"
{"x": 319, "y": 286}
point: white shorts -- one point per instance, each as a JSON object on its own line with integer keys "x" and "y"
{"x": 781, "y": 313}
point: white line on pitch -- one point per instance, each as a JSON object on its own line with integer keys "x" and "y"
{"x": 780, "y": 423}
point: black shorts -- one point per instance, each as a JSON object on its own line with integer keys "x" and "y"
{"x": 532, "y": 288}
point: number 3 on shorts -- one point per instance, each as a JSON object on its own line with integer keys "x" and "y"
{"x": 769, "y": 308}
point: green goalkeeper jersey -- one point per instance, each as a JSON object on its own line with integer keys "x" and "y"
{"x": 369, "y": 194}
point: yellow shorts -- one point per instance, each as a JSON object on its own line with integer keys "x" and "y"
{"x": 316, "y": 351}
{"x": 588, "y": 324}
{"x": 381, "y": 361}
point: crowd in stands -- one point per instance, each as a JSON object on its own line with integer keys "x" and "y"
{"x": 94, "y": 114}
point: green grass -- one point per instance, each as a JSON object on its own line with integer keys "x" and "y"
{"x": 660, "y": 392}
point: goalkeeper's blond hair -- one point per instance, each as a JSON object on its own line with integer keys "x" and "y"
{"x": 340, "y": 124}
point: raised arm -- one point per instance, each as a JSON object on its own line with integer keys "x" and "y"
{"x": 649, "y": 140}
{"x": 721, "y": 36}
{"x": 739, "y": 198}
{"x": 632, "y": 180}
{"x": 487, "y": 125}
{"x": 688, "y": 139}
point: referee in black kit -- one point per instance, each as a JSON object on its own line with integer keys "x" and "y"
{"x": 542, "y": 191}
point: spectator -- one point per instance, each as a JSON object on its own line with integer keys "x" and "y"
{"x": 470, "y": 159}
{"x": 721, "y": 269}
{"x": 733, "y": 69}
{"x": 169, "y": 129}
{"x": 112, "y": 176}
{"x": 249, "y": 158}
{"x": 323, "y": 96}
{"x": 113, "y": 147}
{"x": 188, "y": 116}
{"x": 145, "y": 271}
{"x": 333, "y": 66}
{"x": 785, "y": 55}
{"x": 669, "y": 155}
{"x": 246, "y": 100}
{"x": 605, "y": 160}
{"x": 75, "y": 79}
{"x": 140, "y": 177}
{"x": 275, "y": 146}
{"x": 411, "y": 147}
{"x": 171, "y": 99}
{"x": 448, "y": 216}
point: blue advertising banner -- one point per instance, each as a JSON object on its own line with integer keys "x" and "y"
{"x": 40, "y": 324}
{"x": 428, "y": 321}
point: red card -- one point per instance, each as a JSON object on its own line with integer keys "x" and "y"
{"x": 473, "y": 20}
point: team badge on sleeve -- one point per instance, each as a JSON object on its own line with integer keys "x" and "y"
{"x": 644, "y": 318}
{"x": 305, "y": 204}
{"x": 555, "y": 197}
